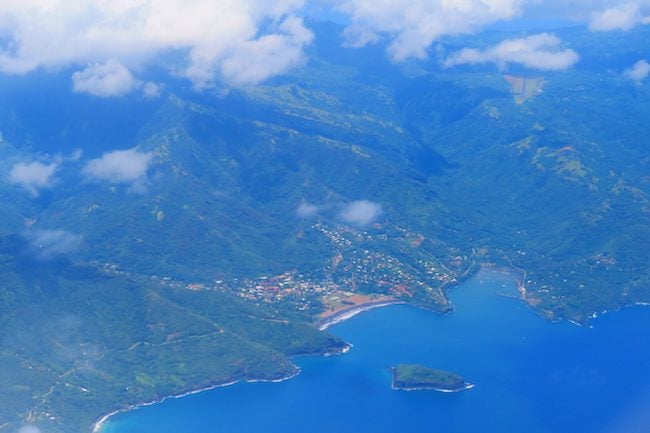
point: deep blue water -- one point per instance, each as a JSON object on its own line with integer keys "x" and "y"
{"x": 531, "y": 376}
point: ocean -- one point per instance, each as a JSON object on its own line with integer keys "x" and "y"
{"x": 531, "y": 376}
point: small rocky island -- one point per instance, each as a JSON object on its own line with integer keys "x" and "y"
{"x": 411, "y": 377}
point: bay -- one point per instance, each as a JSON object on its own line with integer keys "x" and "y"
{"x": 531, "y": 376}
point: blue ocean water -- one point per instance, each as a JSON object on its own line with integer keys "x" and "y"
{"x": 531, "y": 376}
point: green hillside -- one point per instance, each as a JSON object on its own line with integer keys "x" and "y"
{"x": 78, "y": 343}
{"x": 218, "y": 263}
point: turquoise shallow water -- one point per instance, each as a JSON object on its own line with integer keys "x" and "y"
{"x": 531, "y": 376}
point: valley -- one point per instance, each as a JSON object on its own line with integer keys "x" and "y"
{"x": 258, "y": 211}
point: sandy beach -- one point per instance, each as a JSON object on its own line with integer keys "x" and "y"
{"x": 346, "y": 314}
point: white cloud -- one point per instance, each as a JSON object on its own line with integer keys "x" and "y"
{"x": 620, "y": 17}
{"x": 151, "y": 90}
{"x": 306, "y": 210}
{"x": 74, "y": 156}
{"x": 46, "y": 244}
{"x": 413, "y": 25}
{"x": 541, "y": 51}
{"x": 247, "y": 41}
{"x": 360, "y": 212}
{"x": 639, "y": 71}
{"x": 213, "y": 34}
{"x": 269, "y": 55}
{"x": 33, "y": 176}
{"x": 104, "y": 79}
{"x": 584, "y": 11}
{"x": 119, "y": 166}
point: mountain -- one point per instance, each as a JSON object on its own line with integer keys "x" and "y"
{"x": 78, "y": 342}
{"x": 260, "y": 207}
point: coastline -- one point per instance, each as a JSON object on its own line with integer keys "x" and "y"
{"x": 336, "y": 318}
{"x": 345, "y": 349}
{"x": 596, "y": 314}
{"x": 99, "y": 424}
{"x": 346, "y": 314}
{"x": 425, "y": 388}
{"x": 520, "y": 274}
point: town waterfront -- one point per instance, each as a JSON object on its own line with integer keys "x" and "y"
{"x": 531, "y": 376}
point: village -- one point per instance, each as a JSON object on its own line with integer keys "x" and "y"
{"x": 355, "y": 276}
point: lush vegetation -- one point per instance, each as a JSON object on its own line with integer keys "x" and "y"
{"x": 77, "y": 343}
{"x": 415, "y": 377}
{"x": 556, "y": 187}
